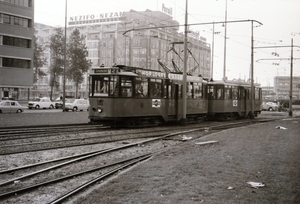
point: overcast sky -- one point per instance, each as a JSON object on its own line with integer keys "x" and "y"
{"x": 280, "y": 19}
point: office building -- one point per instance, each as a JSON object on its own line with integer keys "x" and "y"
{"x": 16, "y": 48}
{"x": 282, "y": 87}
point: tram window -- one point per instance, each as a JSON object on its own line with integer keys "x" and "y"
{"x": 189, "y": 93}
{"x": 234, "y": 93}
{"x": 211, "y": 92}
{"x": 90, "y": 86}
{"x": 114, "y": 91}
{"x": 100, "y": 86}
{"x": 141, "y": 87}
{"x": 155, "y": 88}
{"x": 166, "y": 91}
{"x": 228, "y": 92}
{"x": 243, "y": 93}
{"x": 220, "y": 92}
{"x": 197, "y": 90}
{"x": 126, "y": 86}
{"x": 257, "y": 93}
{"x": 249, "y": 94}
{"x": 172, "y": 90}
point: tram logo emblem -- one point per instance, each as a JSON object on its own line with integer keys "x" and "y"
{"x": 156, "y": 103}
{"x": 235, "y": 103}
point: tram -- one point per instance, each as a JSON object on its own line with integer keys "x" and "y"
{"x": 132, "y": 96}
{"x": 232, "y": 99}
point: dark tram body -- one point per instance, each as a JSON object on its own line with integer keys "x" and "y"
{"x": 132, "y": 96}
{"x": 232, "y": 99}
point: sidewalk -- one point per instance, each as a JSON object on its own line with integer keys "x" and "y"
{"x": 266, "y": 153}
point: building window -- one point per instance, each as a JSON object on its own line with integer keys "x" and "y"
{"x": 6, "y": 19}
{"x": 19, "y": 42}
{"x": 18, "y": 63}
{"x": 27, "y": 3}
{"x": 17, "y": 21}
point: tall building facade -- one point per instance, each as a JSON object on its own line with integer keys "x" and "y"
{"x": 141, "y": 38}
{"x": 134, "y": 38}
{"x": 16, "y": 48}
{"x": 282, "y": 87}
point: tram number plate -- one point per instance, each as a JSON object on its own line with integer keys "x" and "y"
{"x": 235, "y": 103}
{"x": 156, "y": 103}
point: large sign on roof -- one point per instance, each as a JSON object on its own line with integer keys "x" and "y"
{"x": 95, "y": 18}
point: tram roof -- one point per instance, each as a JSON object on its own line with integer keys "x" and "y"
{"x": 232, "y": 83}
{"x": 138, "y": 71}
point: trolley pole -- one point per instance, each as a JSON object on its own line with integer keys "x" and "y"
{"x": 184, "y": 80}
{"x": 252, "y": 75}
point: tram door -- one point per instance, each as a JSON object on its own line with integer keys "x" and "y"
{"x": 178, "y": 103}
{"x": 243, "y": 97}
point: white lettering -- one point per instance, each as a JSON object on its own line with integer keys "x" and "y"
{"x": 167, "y": 10}
{"x": 100, "y": 16}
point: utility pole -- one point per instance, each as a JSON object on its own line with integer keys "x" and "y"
{"x": 183, "y": 119}
{"x": 291, "y": 83}
{"x": 225, "y": 38}
{"x": 65, "y": 59}
{"x": 252, "y": 75}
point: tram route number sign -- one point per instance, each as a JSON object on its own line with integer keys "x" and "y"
{"x": 156, "y": 103}
{"x": 235, "y": 103}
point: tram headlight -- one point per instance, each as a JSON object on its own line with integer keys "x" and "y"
{"x": 99, "y": 110}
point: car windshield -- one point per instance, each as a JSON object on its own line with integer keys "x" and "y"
{"x": 37, "y": 99}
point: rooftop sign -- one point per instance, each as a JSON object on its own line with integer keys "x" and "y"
{"x": 95, "y": 18}
{"x": 167, "y": 10}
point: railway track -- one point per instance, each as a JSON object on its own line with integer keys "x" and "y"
{"x": 110, "y": 158}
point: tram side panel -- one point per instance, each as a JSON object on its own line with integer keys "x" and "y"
{"x": 117, "y": 108}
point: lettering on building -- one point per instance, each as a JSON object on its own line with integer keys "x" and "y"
{"x": 98, "y": 18}
{"x": 167, "y": 10}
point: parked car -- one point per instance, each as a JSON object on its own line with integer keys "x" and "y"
{"x": 76, "y": 104}
{"x": 59, "y": 102}
{"x": 38, "y": 103}
{"x": 270, "y": 106}
{"x": 9, "y": 106}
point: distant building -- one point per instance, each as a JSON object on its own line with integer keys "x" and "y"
{"x": 268, "y": 93}
{"x": 282, "y": 87}
{"x": 16, "y": 48}
{"x": 132, "y": 38}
